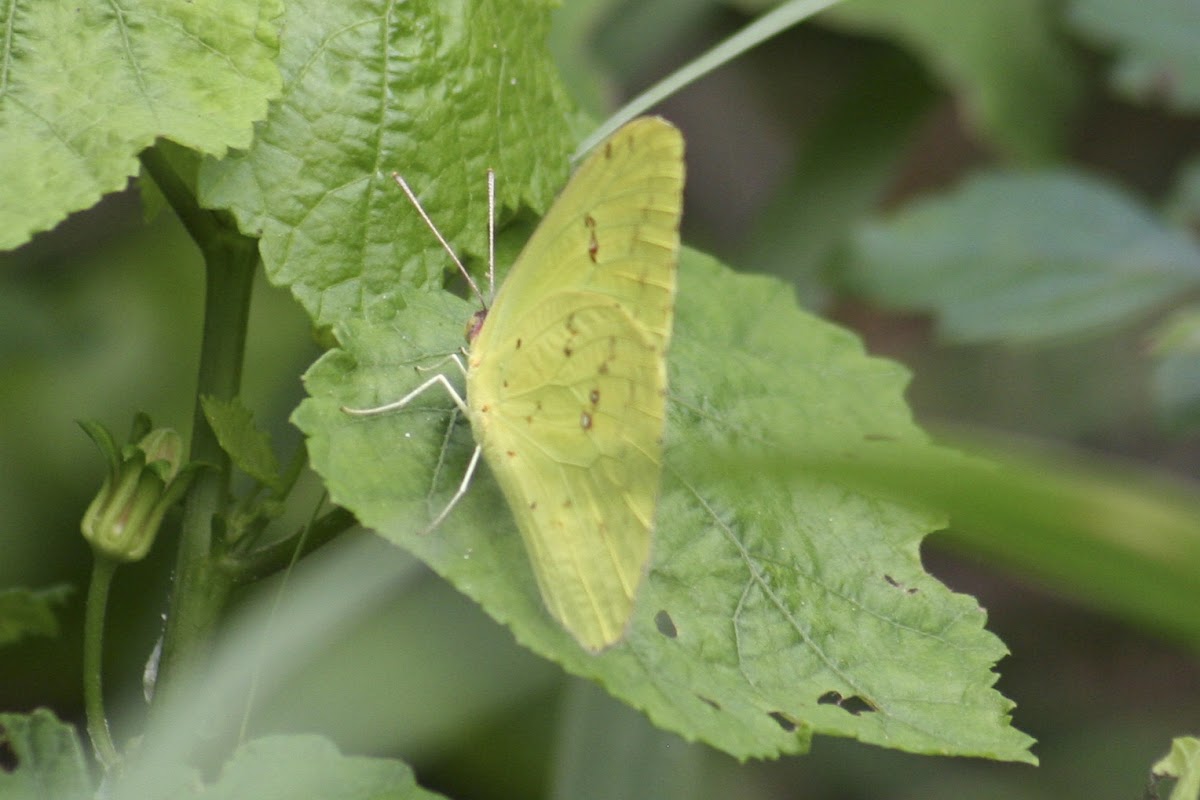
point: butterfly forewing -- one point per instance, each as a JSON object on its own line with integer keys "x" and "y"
{"x": 567, "y": 378}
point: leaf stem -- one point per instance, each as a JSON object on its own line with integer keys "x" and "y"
{"x": 93, "y": 661}
{"x": 268, "y": 560}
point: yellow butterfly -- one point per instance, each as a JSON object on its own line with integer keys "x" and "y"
{"x": 566, "y": 377}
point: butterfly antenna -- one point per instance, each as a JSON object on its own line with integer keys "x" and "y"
{"x": 491, "y": 234}
{"x": 412, "y": 198}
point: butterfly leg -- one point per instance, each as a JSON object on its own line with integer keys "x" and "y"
{"x": 440, "y": 378}
{"x": 408, "y": 398}
{"x": 462, "y": 489}
{"x": 452, "y": 357}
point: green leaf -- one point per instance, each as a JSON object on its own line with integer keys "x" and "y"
{"x": 30, "y": 612}
{"x": 376, "y": 87}
{"x": 1016, "y": 80}
{"x": 1023, "y": 257}
{"x": 1182, "y": 763}
{"x": 246, "y": 444}
{"x": 308, "y": 767}
{"x": 104, "y": 440}
{"x": 89, "y": 84}
{"x": 1157, "y": 45}
{"x": 311, "y": 767}
{"x": 774, "y": 608}
{"x": 43, "y": 759}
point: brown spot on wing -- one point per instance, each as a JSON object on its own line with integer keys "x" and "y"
{"x": 593, "y": 242}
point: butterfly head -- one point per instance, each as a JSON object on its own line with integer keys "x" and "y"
{"x": 475, "y": 324}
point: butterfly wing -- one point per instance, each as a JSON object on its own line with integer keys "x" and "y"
{"x": 567, "y": 378}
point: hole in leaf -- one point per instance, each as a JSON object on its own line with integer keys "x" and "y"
{"x": 857, "y": 705}
{"x": 712, "y": 703}
{"x": 8, "y": 758}
{"x": 852, "y": 705}
{"x": 785, "y": 722}
{"x": 665, "y": 625}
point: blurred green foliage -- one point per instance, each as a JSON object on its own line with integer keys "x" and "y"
{"x": 802, "y": 155}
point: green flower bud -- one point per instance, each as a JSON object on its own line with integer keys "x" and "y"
{"x": 143, "y": 481}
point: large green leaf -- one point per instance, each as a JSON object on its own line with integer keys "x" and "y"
{"x": 1015, "y": 79}
{"x": 1026, "y": 256}
{"x": 438, "y": 91}
{"x": 87, "y": 84}
{"x": 774, "y": 608}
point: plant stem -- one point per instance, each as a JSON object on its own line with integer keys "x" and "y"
{"x": 93, "y": 661}
{"x": 201, "y": 586}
